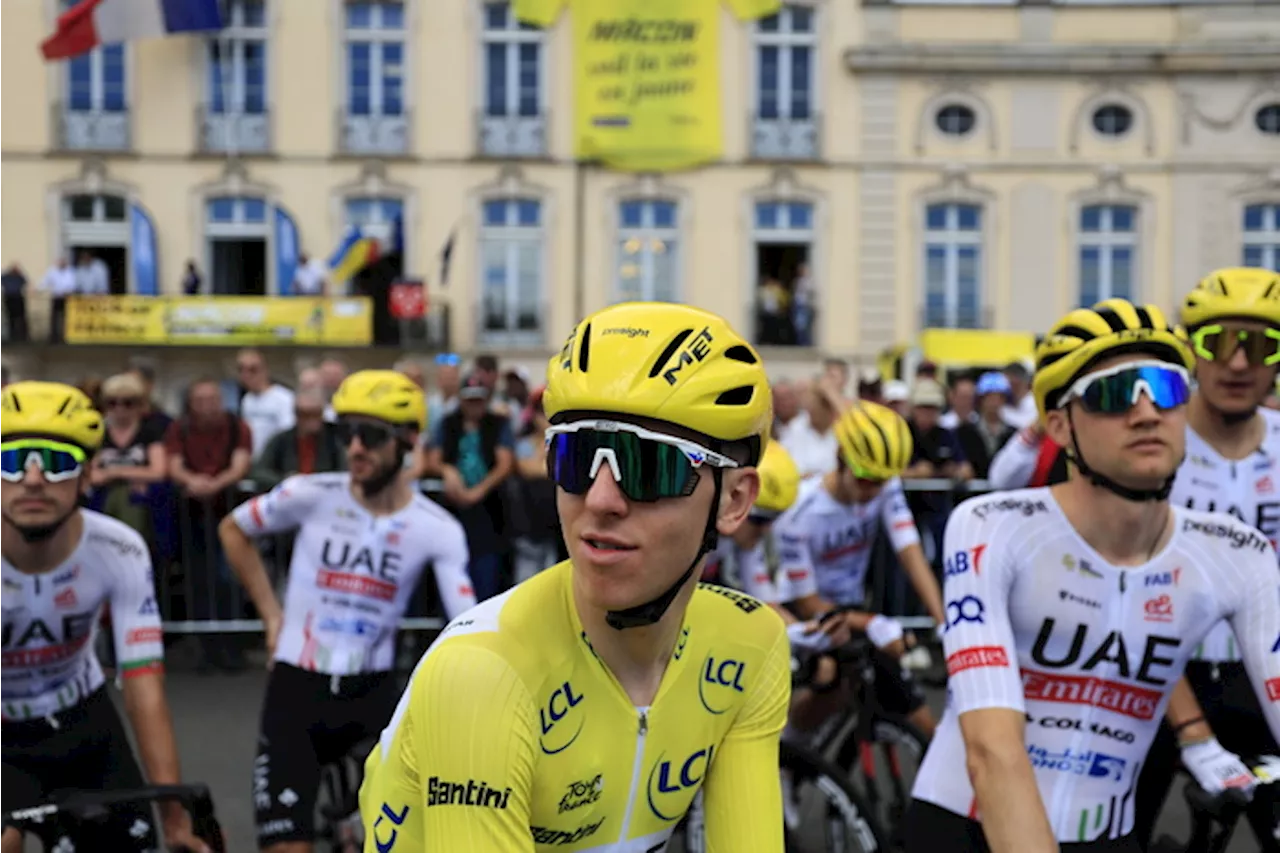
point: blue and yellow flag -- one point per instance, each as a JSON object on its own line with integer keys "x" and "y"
{"x": 354, "y": 254}
{"x": 647, "y": 88}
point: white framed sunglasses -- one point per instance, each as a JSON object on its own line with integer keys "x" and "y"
{"x": 646, "y": 465}
{"x": 1115, "y": 390}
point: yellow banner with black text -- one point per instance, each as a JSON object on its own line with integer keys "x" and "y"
{"x": 647, "y": 77}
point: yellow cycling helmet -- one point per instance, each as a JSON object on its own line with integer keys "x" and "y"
{"x": 1245, "y": 293}
{"x": 779, "y": 480}
{"x": 664, "y": 361}
{"x": 874, "y": 440}
{"x": 53, "y": 410}
{"x": 1088, "y": 335}
{"x": 387, "y": 395}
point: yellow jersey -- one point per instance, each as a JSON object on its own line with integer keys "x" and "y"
{"x": 513, "y": 736}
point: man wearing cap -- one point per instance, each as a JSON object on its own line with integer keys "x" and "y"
{"x": 474, "y": 449}
{"x": 982, "y": 436}
{"x": 938, "y": 453}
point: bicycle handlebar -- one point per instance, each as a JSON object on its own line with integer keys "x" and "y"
{"x": 88, "y": 806}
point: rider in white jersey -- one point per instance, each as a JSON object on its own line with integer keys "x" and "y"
{"x": 824, "y": 552}
{"x": 1072, "y": 610}
{"x": 364, "y": 538}
{"x": 62, "y": 566}
{"x": 1232, "y": 465}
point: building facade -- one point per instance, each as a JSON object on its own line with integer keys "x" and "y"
{"x": 900, "y": 165}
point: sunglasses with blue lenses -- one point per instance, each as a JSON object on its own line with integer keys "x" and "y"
{"x": 448, "y": 359}
{"x": 647, "y": 466}
{"x": 1115, "y": 390}
{"x": 57, "y": 462}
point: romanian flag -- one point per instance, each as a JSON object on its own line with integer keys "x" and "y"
{"x": 354, "y": 254}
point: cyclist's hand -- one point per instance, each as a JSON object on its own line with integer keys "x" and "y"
{"x": 806, "y": 636}
{"x": 835, "y": 626}
{"x": 886, "y": 633}
{"x": 271, "y": 625}
{"x": 1217, "y": 770}
{"x": 178, "y": 834}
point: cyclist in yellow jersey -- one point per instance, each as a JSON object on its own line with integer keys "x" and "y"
{"x": 585, "y": 708}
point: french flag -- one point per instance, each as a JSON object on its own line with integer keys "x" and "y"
{"x": 96, "y": 22}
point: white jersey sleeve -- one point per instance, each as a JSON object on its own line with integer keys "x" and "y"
{"x": 135, "y": 619}
{"x": 982, "y": 658}
{"x": 896, "y": 516}
{"x": 1014, "y": 465}
{"x": 449, "y": 562}
{"x": 754, "y": 572}
{"x": 1253, "y": 598}
{"x": 285, "y": 507}
{"x": 796, "y": 578}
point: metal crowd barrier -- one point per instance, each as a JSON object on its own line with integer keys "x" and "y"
{"x": 199, "y": 594}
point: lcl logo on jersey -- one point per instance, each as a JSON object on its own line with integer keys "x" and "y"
{"x": 559, "y": 705}
{"x": 720, "y": 679}
{"x": 667, "y": 779}
{"x": 388, "y": 816}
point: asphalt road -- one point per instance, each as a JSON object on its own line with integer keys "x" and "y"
{"x": 216, "y": 717}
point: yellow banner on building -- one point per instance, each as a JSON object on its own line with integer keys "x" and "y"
{"x": 647, "y": 77}
{"x": 219, "y": 320}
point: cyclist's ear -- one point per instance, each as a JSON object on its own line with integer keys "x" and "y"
{"x": 738, "y": 493}
{"x": 1058, "y": 427}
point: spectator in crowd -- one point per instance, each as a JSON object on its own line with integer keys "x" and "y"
{"x": 962, "y": 399}
{"x": 309, "y": 380}
{"x": 152, "y": 410}
{"x": 59, "y": 282}
{"x": 332, "y": 369}
{"x": 534, "y": 521}
{"x": 92, "y": 276}
{"x": 309, "y": 277}
{"x": 809, "y": 439}
{"x": 191, "y": 280}
{"x": 1021, "y": 410}
{"x": 982, "y": 437}
{"x": 91, "y": 386}
{"x": 132, "y": 456}
{"x": 310, "y": 446}
{"x": 926, "y": 370}
{"x": 412, "y": 370}
{"x": 774, "y": 313}
{"x": 937, "y": 452}
{"x": 209, "y": 451}
{"x": 897, "y": 396}
{"x": 870, "y": 386}
{"x": 473, "y": 449}
{"x": 266, "y": 407}
{"x": 515, "y": 393}
{"x": 786, "y": 406}
{"x": 803, "y": 306}
{"x": 444, "y": 398}
{"x": 836, "y": 373}
{"x": 15, "y": 303}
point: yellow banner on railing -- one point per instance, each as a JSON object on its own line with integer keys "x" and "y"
{"x": 219, "y": 320}
{"x": 647, "y": 87}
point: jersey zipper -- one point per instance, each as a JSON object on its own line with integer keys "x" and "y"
{"x": 635, "y": 776}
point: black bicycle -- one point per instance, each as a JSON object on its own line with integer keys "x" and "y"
{"x": 1214, "y": 817}
{"x": 78, "y": 818}
{"x": 338, "y": 825}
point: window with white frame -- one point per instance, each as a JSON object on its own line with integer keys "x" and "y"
{"x": 1262, "y": 236}
{"x": 648, "y": 251}
{"x": 511, "y": 263}
{"x": 96, "y": 80}
{"x": 1108, "y": 247}
{"x": 783, "y": 235}
{"x": 375, "y": 37}
{"x": 512, "y": 64}
{"x": 953, "y": 265}
{"x": 238, "y": 60}
{"x": 786, "y": 50}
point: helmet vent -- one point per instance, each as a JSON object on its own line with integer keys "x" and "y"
{"x": 584, "y": 349}
{"x": 666, "y": 354}
{"x": 1112, "y": 319}
{"x": 1075, "y": 332}
{"x": 1144, "y": 318}
{"x": 741, "y": 353}
{"x": 739, "y": 396}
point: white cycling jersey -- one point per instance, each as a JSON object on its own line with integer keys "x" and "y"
{"x": 1247, "y": 488}
{"x": 353, "y": 572}
{"x": 51, "y": 620}
{"x": 748, "y": 569}
{"x": 824, "y": 546}
{"x": 1039, "y": 623}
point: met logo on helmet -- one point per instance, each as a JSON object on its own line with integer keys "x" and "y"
{"x": 695, "y": 350}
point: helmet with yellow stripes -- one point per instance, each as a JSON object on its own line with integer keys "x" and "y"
{"x": 875, "y": 442}
{"x": 779, "y": 480}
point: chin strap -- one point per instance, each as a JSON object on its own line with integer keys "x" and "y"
{"x": 651, "y": 611}
{"x": 1075, "y": 457}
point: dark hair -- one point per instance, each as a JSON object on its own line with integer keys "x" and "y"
{"x": 486, "y": 362}
{"x": 1017, "y": 369}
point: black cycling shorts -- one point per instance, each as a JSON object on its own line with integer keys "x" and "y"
{"x": 896, "y": 688}
{"x": 928, "y": 828}
{"x": 310, "y": 720}
{"x": 87, "y": 750}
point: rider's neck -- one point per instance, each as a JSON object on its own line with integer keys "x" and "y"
{"x": 390, "y": 500}
{"x": 637, "y": 657}
{"x": 33, "y": 558}
{"x": 1231, "y": 439}
{"x": 1124, "y": 533}
{"x": 839, "y": 493}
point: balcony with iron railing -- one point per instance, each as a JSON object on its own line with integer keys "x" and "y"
{"x": 89, "y": 130}
{"x": 512, "y": 136}
{"x": 375, "y": 135}
{"x": 782, "y": 138}
{"x": 232, "y": 132}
